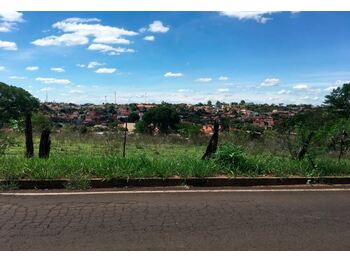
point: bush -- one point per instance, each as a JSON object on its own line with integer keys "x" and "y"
{"x": 5, "y": 143}
{"x": 189, "y": 130}
{"x": 232, "y": 157}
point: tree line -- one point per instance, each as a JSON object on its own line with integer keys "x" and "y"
{"x": 324, "y": 128}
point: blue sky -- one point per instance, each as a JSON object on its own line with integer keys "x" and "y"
{"x": 186, "y": 57}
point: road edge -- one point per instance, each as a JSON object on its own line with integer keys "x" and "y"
{"x": 25, "y": 184}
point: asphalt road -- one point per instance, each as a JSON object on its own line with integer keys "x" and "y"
{"x": 317, "y": 220}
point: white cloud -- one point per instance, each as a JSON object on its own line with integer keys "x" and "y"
{"x": 331, "y": 88}
{"x": 6, "y": 45}
{"x": 270, "y": 82}
{"x": 109, "y": 49}
{"x": 204, "y": 79}
{"x": 53, "y": 81}
{"x": 76, "y": 91}
{"x": 63, "y": 40}
{"x": 149, "y": 38}
{"x": 16, "y": 77}
{"x": 341, "y": 82}
{"x": 283, "y": 91}
{"x": 223, "y": 90}
{"x": 81, "y": 65}
{"x": 223, "y": 78}
{"x": 173, "y": 75}
{"x": 32, "y": 68}
{"x": 94, "y": 64}
{"x": 79, "y": 30}
{"x": 2, "y": 68}
{"x": 301, "y": 87}
{"x": 182, "y": 90}
{"x": 158, "y": 27}
{"x": 81, "y": 20}
{"x": 58, "y": 70}
{"x": 9, "y": 20}
{"x": 106, "y": 70}
{"x": 260, "y": 17}
{"x": 112, "y": 40}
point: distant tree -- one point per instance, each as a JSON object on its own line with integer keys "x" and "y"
{"x": 133, "y": 106}
{"x": 339, "y": 99}
{"x": 301, "y": 133}
{"x": 189, "y": 130}
{"x": 40, "y": 122}
{"x": 218, "y": 104}
{"x": 17, "y": 103}
{"x": 163, "y": 117}
{"x": 142, "y": 127}
{"x": 225, "y": 124}
{"x": 209, "y": 103}
{"x": 242, "y": 102}
{"x": 133, "y": 117}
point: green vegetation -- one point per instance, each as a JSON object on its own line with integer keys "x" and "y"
{"x": 80, "y": 157}
{"x": 313, "y": 142}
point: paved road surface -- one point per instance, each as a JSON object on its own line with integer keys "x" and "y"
{"x": 177, "y": 221}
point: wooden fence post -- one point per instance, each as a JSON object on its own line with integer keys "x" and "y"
{"x": 213, "y": 143}
{"x": 45, "y": 144}
{"x": 28, "y": 131}
{"x": 125, "y": 133}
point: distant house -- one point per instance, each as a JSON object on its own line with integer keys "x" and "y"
{"x": 265, "y": 122}
{"x": 131, "y": 126}
{"x": 208, "y": 129}
{"x": 91, "y": 117}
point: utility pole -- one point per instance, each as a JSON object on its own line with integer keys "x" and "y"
{"x": 125, "y": 133}
{"x": 115, "y": 97}
{"x": 47, "y": 95}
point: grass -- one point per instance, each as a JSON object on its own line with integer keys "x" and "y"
{"x": 80, "y": 158}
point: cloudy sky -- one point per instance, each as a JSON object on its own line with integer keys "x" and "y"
{"x": 176, "y": 56}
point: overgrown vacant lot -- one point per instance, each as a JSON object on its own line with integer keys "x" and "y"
{"x": 77, "y": 156}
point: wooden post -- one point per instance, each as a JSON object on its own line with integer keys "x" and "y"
{"x": 45, "y": 144}
{"x": 342, "y": 142}
{"x": 213, "y": 143}
{"x": 125, "y": 133}
{"x": 28, "y": 131}
{"x": 304, "y": 148}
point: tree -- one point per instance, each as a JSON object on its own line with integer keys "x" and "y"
{"x": 209, "y": 103}
{"x": 40, "y": 122}
{"x": 301, "y": 131}
{"x": 339, "y": 99}
{"x": 163, "y": 117}
{"x": 16, "y": 103}
{"x": 189, "y": 130}
{"x": 133, "y": 117}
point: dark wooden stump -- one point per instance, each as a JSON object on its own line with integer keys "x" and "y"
{"x": 213, "y": 143}
{"x": 45, "y": 144}
{"x": 28, "y": 131}
{"x": 304, "y": 148}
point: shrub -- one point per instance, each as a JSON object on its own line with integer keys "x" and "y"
{"x": 231, "y": 156}
{"x": 5, "y": 143}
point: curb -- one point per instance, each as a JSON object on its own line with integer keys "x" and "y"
{"x": 168, "y": 182}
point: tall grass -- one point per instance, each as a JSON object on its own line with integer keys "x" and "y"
{"x": 79, "y": 157}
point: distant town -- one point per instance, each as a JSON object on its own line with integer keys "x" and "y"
{"x": 108, "y": 116}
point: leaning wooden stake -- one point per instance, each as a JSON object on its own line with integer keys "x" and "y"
{"x": 125, "y": 133}
{"x": 342, "y": 143}
{"x": 45, "y": 144}
{"x": 28, "y": 131}
{"x": 213, "y": 143}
